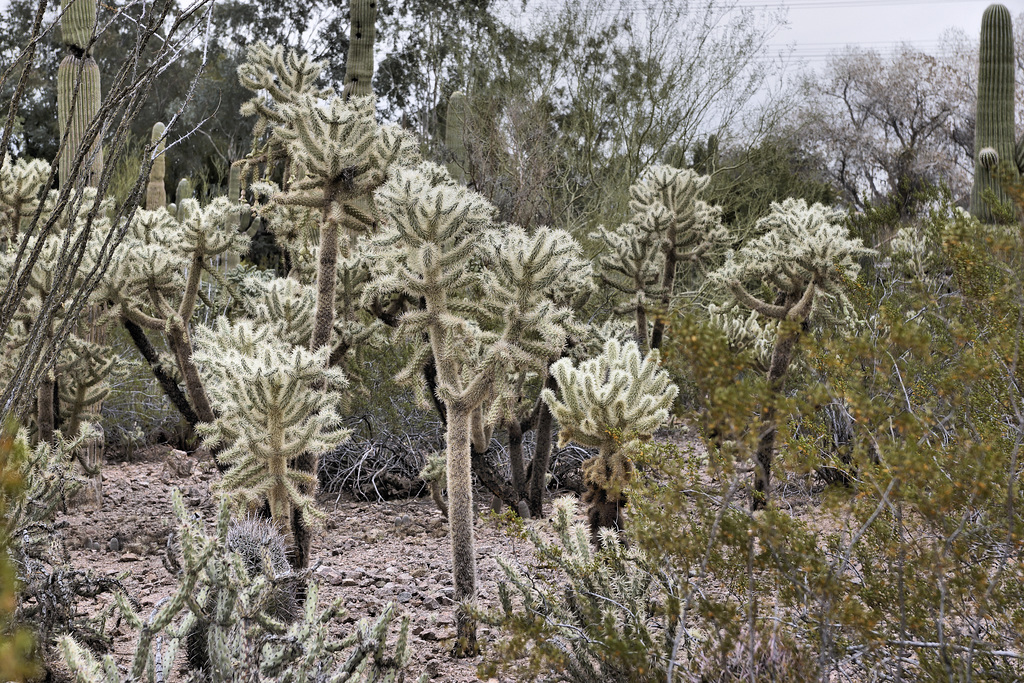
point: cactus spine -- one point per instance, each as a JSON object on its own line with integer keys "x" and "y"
{"x": 455, "y": 135}
{"x": 76, "y": 112}
{"x": 156, "y": 192}
{"x": 359, "y": 65}
{"x": 994, "y": 127}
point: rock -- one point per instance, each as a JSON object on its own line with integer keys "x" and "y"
{"x": 418, "y": 572}
{"x": 404, "y": 597}
{"x": 129, "y": 557}
{"x": 349, "y": 583}
{"x": 404, "y": 578}
{"x": 179, "y": 464}
{"x": 114, "y": 544}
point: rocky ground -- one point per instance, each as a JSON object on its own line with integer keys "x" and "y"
{"x": 370, "y": 554}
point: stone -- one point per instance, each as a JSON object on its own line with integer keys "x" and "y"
{"x": 418, "y": 572}
{"x": 404, "y": 597}
{"x": 178, "y": 464}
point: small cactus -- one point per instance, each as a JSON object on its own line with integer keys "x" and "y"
{"x": 156, "y": 192}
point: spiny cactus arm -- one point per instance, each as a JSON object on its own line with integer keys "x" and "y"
{"x": 753, "y": 303}
{"x": 1019, "y": 156}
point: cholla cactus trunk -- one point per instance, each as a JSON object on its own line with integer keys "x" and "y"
{"x": 460, "y": 515}
{"x": 605, "y": 505}
{"x": 782, "y": 356}
{"x": 541, "y": 455}
{"x": 359, "y": 65}
{"x": 156, "y": 192}
{"x": 455, "y": 135}
{"x": 994, "y": 127}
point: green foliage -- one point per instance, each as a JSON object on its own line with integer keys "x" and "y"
{"x": 16, "y": 643}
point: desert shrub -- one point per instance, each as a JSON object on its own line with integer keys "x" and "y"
{"x": 246, "y": 638}
{"x": 911, "y": 571}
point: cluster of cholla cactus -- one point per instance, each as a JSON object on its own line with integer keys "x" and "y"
{"x": 806, "y": 259}
{"x": 671, "y": 229}
{"x": 608, "y": 403}
{"x": 994, "y": 134}
{"x": 230, "y": 606}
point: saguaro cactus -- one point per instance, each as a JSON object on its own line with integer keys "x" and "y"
{"x": 455, "y": 135}
{"x": 994, "y": 127}
{"x": 75, "y": 112}
{"x": 362, "y": 32}
{"x": 156, "y": 191}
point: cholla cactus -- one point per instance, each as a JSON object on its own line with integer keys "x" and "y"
{"x": 806, "y": 258}
{"x": 609, "y": 402}
{"x": 21, "y": 184}
{"x": 154, "y": 277}
{"x": 276, "y": 402}
{"x": 745, "y": 332}
{"x": 246, "y": 639}
{"x": 480, "y": 325}
{"x": 670, "y": 226}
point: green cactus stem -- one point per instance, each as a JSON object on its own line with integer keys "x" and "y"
{"x": 455, "y": 135}
{"x": 362, "y": 32}
{"x": 156, "y": 191}
{"x": 182, "y": 192}
{"x": 73, "y": 124}
{"x": 994, "y": 128}
{"x": 77, "y": 22}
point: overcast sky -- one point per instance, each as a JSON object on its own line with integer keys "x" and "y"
{"x": 819, "y": 26}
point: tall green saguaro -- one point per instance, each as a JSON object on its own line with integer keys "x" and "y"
{"x": 994, "y": 127}
{"x": 77, "y": 111}
{"x": 455, "y": 135}
{"x": 359, "y": 65}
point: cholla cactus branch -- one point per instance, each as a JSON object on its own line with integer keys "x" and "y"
{"x": 670, "y": 226}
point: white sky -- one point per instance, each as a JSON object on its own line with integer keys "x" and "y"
{"x": 819, "y": 26}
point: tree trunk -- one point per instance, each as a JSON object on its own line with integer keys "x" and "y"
{"x": 460, "y": 520}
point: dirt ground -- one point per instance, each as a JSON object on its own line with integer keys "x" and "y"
{"x": 370, "y": 554}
